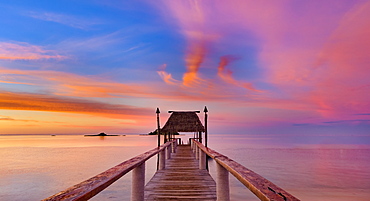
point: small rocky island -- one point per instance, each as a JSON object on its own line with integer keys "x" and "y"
{"x": 102, "y": 134}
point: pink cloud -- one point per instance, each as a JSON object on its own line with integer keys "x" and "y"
{"x": 192, "y": 22}
{"x": 167, "y": 77}
{"x": 344, "y": 61}
{"x": 25, "y": 51}
{"x": 313, "y": 52}
{"x": 226, "y": 74}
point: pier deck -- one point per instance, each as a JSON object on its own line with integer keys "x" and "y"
{"x": 181, "y": 179}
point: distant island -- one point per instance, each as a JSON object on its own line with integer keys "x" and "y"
{"x": 102, "y": 134}
{"x": 156, "y": 133}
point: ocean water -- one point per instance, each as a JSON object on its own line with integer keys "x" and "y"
{"x": 37, "y": 166}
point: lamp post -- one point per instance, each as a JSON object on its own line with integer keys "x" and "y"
{"x": 205, "y": 125}
{"x": 158, "y": 128}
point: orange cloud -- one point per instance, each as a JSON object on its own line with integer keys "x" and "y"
{"x": 41, "y": 102}
{"x": 25, "y": 51}
{"x": 167, "y": 78}
{"x": 70, "y": 84}
{"x": 194, "y": 59}
{"x": 192, "y": 20}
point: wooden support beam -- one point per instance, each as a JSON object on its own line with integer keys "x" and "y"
{"x": 162, "y": 160}
{"x": 202, "y": 160}
{"x": 222, "y": 183}
{"x": 138, "y": 183}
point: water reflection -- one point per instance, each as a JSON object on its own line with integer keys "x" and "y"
{"x": 52, "y": 164}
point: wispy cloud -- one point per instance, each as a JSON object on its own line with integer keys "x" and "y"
{"x": 167, "y": 77}
{"x": 316, "y": 55}
{"x": 4, "y": 118}
{"x": 73, "y": 85}
{"x": 25, "y": 51}
{"x": 68, "y": 20}
{"x": 42, "y": 102}
{"x": 226, "y": 74}
{"x": 69, "y": 84}
{"x": 195, "y": 21}
{"x": 348, "y": 121}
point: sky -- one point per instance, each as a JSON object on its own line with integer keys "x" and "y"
{"x": 292, "y": 70}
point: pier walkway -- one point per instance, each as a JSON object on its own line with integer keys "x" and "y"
{"x": 181, "y": 170}
{"x": 181, "y": 179}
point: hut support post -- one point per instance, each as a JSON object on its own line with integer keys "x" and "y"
{"x": 162, "y": 160}
{"x": 202, "y": 160}
{"x": 138, "y": 183}
{"x": 222, "y": 184}
{"x": 200, "y": 137}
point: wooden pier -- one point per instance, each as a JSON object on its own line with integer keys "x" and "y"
{"x": 182, "y": 170}
{"x": 181, "y": 179}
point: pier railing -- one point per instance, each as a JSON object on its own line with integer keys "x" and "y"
{"x": 89, "y": 188}
{"x": 264, "y": 189}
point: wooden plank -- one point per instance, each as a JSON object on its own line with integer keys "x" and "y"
{"x": 89, "y": 188}
{"x": 261, "y": 187}
{"x": 181, "y": 180}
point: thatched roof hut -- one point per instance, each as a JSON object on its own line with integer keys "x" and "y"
{"x": 183, "y": 122}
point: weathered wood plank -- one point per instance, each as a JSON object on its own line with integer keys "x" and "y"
{"x": 181, "y": 180}
{"x": 264, "y": 189}
{"x": 89, "y": 188}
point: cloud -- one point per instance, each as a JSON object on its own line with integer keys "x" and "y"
{"x": 69, "y": 84}
{"x": 343, "y": 62}
{"x": 25, "y": 51}
{"x": 308, "y": 51}
{"x": 192, "y": 23}
{"x": 304, "y": 124}
{"x": 167, "y": 77}
{"x": 68, "y": 20}
{"x": 4, "y": 118}
{"x": 50, "y": 103}
{"x": 348, "y": 121}
{"x": 226, "y": 74}
{"x": 73, "y": 85}
{"x": 194, "y": 59}
{"x": 363, "y": 114}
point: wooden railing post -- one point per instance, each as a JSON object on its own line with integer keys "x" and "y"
{"x": 222, "y": 183}
{"x": 174, "y": 146}
{"x": 168, "y": 151}
{"x": 197, "y": 152}
{"x": 162, "y": 160}
{"x": 138, "y": 183}
{"x": 202, "y": 160}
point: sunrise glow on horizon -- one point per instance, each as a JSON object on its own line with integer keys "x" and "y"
{"x": 266, "y": 68}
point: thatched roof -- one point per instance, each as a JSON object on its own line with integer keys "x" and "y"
{"x": 183, "y": 122}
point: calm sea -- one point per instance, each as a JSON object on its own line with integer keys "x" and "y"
{"x": 35, "y": 167}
